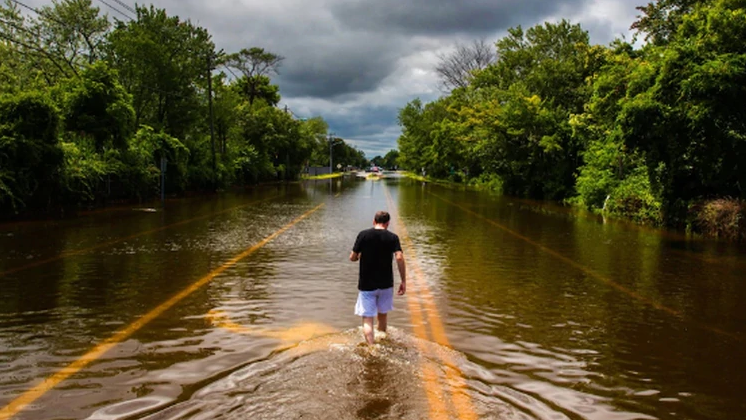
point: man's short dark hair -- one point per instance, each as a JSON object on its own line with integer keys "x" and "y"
{"x": 382, "y": 217}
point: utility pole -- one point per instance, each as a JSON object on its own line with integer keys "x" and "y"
{"x": 331, "y": 145}
{"x": 212, "y": 128}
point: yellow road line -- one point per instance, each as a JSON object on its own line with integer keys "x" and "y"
{"x": 28, "y": 397}
{"x": 460, "y": 401}
{"x": 300, "y": 332}
{"x": 118, "y": 240}
{"x": 590, "y": 272}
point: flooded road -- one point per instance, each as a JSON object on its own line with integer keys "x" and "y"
{"x": 241, "y": 306}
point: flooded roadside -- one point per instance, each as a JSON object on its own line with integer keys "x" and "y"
{"x": 545, "y": 317}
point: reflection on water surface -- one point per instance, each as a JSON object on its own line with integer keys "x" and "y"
{"x": 524, "y": 291}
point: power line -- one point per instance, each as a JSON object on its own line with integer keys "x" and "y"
{"x": 66, "y": 24}
{"x": 36, "y": 48}
{"x": 126, "y": 6}
{"x": 229, "y": 69}
{"x": 39, "y": 13}
{"x": 117, "y": 10}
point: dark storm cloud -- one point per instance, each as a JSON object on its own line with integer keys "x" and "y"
{"x": 323, "y": 57}
{"x": 325, "y": 72}
{"x": 355, "y": 62}
{"x": 434, "y": 17}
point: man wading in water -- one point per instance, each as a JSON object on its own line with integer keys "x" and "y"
{"x": 374, "y": 248}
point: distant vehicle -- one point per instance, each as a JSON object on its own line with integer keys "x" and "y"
{"x": 374, "y": 169}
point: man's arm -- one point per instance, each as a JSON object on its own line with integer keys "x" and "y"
{"x": 399, "y": 256}
{"x": 354, "y": 256}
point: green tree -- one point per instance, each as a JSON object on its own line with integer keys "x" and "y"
{"x": 163, "y": 62}
{"x": 29, "y": 55}
{"x": 686, "y": 117}
{"x": 418, "y": 145}
{"x": 258, "y": 88}
{"x": 613, "y": 177}
{"x": 522, "y": 108}
{"x": 72, "y": 30}
{"x": 256, "y": 65}
{"x": 97, "y": 105}
{"x": 659, "y": 20}
{"x": 30, "y": 154}
{"x": 390, "y": 159}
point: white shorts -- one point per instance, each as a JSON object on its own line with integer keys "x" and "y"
{"x": 370, "y": 304}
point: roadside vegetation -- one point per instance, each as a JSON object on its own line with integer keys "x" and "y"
{"x": 89, "y": 106}
{"x": 656, "y": 134}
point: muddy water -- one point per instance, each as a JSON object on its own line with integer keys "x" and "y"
{"x": 515, "y": 310}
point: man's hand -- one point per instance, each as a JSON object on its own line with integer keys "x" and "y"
{"x": 399, "y": 256}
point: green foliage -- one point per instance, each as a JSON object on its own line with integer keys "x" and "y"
{"x": 688, "y": 121}
{"x": 30, "y": 154}
{"x": 391, "y": 158}
{"x": 84, "y": 171}
{"x": 127, "y": 96}
{"x": 636, "y": 133}
{"x": 660, "y": 19}
{"x": 425, "y": 143}
{"x": 488, "y": 181}
{"x": 142, "y": 162}
{"x": 256, "y": 65}
{"x": 633, "y": 198}
{"x": 258, "y": 88}
{"x": 96, "y": 105}
{"x": 513, "y": 121}
{"x": 162, "y": 61}
{"x": 73, "y": 31}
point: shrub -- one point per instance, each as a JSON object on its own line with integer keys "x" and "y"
{"x": 634, "y": 199}
{"x": 30, "y": 154}
{"x": 488, "y": 181}
{"x": 722, "y": 218}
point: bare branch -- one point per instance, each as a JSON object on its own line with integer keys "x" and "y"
{"x": 456, "y": 69}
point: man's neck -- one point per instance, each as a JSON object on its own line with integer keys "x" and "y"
{"x": 377, "y": 226}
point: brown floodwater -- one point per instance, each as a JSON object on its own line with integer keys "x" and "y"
{"x": 240, "y": 306}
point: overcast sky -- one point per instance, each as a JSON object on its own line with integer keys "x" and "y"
{"x": 356, "y": 62}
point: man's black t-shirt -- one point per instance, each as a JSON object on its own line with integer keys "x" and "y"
{"x": 376, "y": 248}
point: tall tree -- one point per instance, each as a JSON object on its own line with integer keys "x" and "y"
{"x": 73, "y": 30}
{"x": 256, "y": 65}
{"x": 660, "y": 19}
{"x": 258, "y": 87}
{"x": 27, "y": 48}
{"x": 525, "y": 101}
{"x": 97, "y": 106}
{"x": 163, "y": 61}
{"x": 30, "y": 154}
{"x": 457, "y": 68}
{"x": 686, "y": 112}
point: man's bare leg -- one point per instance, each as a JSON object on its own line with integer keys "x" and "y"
{"x": 382, "y": 322}
{"x": 368, "y": 329}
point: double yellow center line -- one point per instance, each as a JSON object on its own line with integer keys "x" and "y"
{"x": 28, "y": 397}
{"x": 423, "y": 311}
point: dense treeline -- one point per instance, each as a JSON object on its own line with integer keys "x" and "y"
{"x": 89, "y": 107}
{"x": 650, "y": 133}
